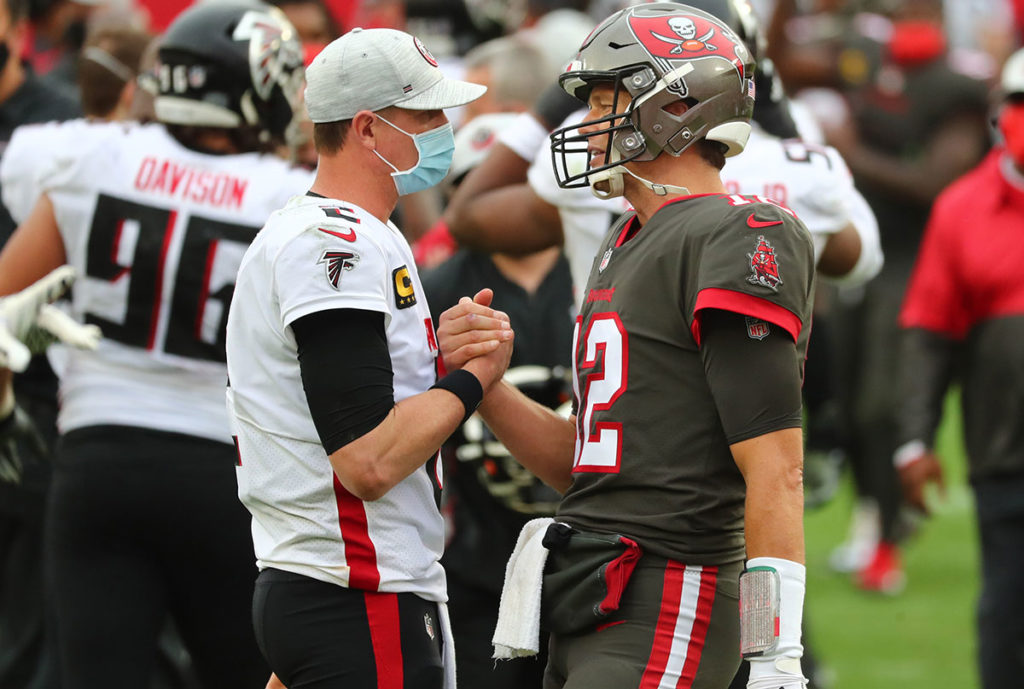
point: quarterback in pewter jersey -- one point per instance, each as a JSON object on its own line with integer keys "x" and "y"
{"x": 681, "y": 466}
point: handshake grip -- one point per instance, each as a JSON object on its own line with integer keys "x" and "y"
{"x": 29, "y": 323}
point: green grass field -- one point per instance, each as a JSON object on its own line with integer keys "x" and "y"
{"x": 923, "y": 638}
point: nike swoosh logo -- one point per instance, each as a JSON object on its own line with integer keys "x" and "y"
{"x": 350, "y": 236}
{"x": 754, "y": 222}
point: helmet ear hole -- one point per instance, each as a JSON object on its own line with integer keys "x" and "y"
{"x": 678, "y": 108}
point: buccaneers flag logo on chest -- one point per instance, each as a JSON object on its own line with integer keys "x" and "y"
{"x": 764, "y": 268}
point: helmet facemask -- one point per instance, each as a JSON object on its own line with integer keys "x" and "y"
{"x": 623, "y": 142}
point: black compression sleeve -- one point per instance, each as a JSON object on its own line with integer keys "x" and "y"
{"x": 346, "y": 372}
{"x": 755, "y": 383}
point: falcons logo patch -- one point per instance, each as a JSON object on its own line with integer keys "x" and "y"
{"x": 336, "y": 262}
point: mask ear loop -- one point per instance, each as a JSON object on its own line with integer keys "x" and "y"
{"x": 388, "y": 162}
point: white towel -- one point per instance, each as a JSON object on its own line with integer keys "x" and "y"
{"x": 447, "y": 646}
{"x": 517, "y": 633}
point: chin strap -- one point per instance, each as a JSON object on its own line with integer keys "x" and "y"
{"x": 614, "y": 186}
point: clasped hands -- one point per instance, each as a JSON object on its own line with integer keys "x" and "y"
{"x": 473, "y": 336}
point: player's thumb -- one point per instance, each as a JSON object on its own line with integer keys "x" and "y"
{"x": 484, "y": 296}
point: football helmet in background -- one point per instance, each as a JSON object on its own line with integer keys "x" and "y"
{"x": 657, "y": 54}
{"x": 231, "y": 65}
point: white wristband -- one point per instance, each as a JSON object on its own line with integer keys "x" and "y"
{"x": 524, "y": 136}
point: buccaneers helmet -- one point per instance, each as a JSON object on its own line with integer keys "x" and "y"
{"x": 771, "y": 106}
{"x": 231, "y": 65}
{"x": 657, "y": 53}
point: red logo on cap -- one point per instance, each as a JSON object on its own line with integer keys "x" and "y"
{"x": 424, "y": 52}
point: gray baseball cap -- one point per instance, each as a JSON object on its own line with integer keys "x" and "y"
{"x": 371, "y": 69}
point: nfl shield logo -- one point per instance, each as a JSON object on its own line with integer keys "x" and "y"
{"x": 756, "y": 328}
{"x": 604, "y": 261}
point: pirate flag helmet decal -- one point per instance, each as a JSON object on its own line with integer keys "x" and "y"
{"x": 653, "y": 55}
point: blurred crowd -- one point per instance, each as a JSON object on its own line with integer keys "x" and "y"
{"x": 908, "y": 93}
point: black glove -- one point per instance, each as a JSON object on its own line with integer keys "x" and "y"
{"x": 17, "y": 431}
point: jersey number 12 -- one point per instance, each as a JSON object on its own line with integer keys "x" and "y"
{"x": 605, "y": 352}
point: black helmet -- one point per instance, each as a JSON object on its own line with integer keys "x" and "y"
{"x": 231, "y": 65}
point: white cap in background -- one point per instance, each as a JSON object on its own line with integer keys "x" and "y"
{"x": 474, "y": 139}
{"x": 371, "y": 69}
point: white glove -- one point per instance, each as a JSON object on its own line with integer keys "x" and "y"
{"x": 28, "y": 324}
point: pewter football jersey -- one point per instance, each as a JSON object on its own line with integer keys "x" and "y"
{"x": 156, "y": 232}
{"x": 313, "y": 255}
{"x": 652, "y": 460}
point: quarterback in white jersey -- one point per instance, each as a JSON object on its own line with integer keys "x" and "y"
{"x": 333, "y": 389}
{"x": 320, "y": 254}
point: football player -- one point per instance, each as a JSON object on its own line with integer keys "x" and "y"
{"x": 681, "y": 467}
{"x": 496, "y": 210}
{"x": 144, "y": 518}
{"x": 331, "y": 357}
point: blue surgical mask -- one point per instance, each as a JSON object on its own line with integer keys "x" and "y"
{"x": 435, "y": 148}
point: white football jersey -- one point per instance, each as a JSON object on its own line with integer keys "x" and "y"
{"x": 156, "y": 232}
{"x": 313, "y": 255}
{"x": 30, "y": 153}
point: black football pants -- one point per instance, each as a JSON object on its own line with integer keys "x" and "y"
{"x": 143, "y": 524}
{"x": 319, "y": 635}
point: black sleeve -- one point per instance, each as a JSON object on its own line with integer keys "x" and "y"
{"x": 346, "y": 372}
{"x": 925, "y": 374}
{"x": 755, "y": 382}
